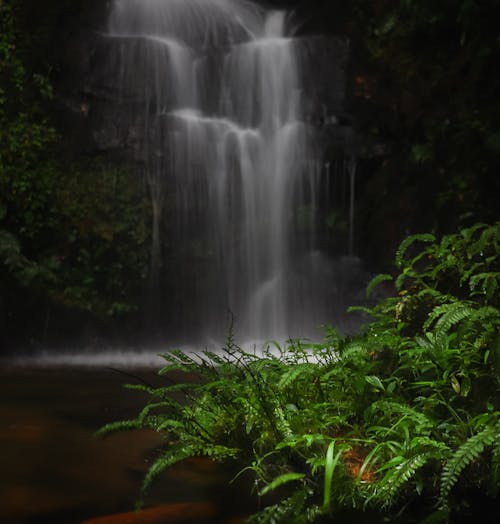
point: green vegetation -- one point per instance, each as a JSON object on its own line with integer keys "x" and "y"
{"x": 400, "y": 422}
{"x": 425, "y": 88}
{"x": 74, "y": 231}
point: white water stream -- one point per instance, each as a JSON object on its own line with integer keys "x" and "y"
{"x": 229, "y": 160}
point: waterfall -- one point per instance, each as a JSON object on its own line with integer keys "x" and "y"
{"x": 216, "y": 88}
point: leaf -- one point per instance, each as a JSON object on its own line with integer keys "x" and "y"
{"x": 279, "y": 481}
{"x": 463, "y": 456}
{"x": 374, "y": 381}
{"x": 383, "y": 277}
{"x": 330, "y": 465}
{"x": 163, "y": 462}
{"x": 455, "y": 384}
{"x": 420, "y": 153}
{"x": 407, "y": 242}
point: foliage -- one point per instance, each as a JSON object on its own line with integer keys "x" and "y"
{"x": 426, "y": 87}
{"x": 407, "y": 411}
{"x": 73, "y": 232}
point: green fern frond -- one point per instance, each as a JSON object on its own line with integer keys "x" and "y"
{"x": 403, "y": 473}
{"x": 116, "y": 427}
{"x": 489, "y": 283}
{"x": 179, "y": 357}
{"x": 360, "y": 309}
{"x": 355, "y": 348}
{"x": 489, "y": 237}
{"x": 407, "y": 242}
{"x": 374, "y": 282}
{"x": 469, "y": 232}
{"x": 448, "y": 315}
{"x": 402, "y": 277}
{"x": 463, "y": 456}
{"x": 183, "y": 387}
{"x": 292, "y": 509}
{"x": 218, "y": 452}
{"x": 387, "y": 489}
{"x": 146, "y": 411}
{"x": 140, "y": 387}
{"x": 387, "y": 409}
{"x": 163, "y": 462}
{"x": 435, "y": 294}
{"x": 299, "y": 370}
{"x": 280, "y": 481}
{"x": 170, "y": 424}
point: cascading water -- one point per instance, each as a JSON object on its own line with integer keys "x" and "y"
{"x": 217, "y": 94}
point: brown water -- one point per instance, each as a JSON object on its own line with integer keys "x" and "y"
{"x": 53, "y": 469}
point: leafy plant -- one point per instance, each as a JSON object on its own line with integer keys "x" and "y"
{"x": 408, "y": 410}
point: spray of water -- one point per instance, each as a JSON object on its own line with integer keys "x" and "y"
{"x": 226, "y": 145}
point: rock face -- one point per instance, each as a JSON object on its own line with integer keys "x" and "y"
{"x": 96, "y": 112}
{"x": 105, "y": 110}
{"x": 97, "y": 109}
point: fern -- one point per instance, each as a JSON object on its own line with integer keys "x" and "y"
{"x": 403, "y": 248}
{"x": 375, "y": 281}
{"x": 403, "y": 467}
{"x": 116, "y": 427}
{"x": 489, "y": 284}
{"x": 329, "y": 426}
{"x": 448, "y": 315}
{"x": 280, "y": 481}
{"x": 298, "y": 371}
{"x": 463, "y": 456}
{"x": 291, "y": 510}
{"x": 388, "y": 409}
{"x": 390, "y": 485}
{"x": 164, "y": 461}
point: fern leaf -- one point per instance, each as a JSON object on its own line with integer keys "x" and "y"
{"x": 448, "y": 315}
{"x": 300, "y": 370}
{"x": 280, "y": 480}
{"x": 468, "y": 233}
{"x": 215, "y": 359}
{"x": 360, "y": 309}
{"x": 463, "y": 456}
{"x": 489, "y": 283}
{"x": 291, "y": 509}
{"x": 151, "y": 407}
{"x": 407, "y": 242}
{"x": 355, "y": 347}
{"x": 491, "y": 235}
{"x": 140, "y": 387}
{"x": 115, "y": 427}
{"x": 374, "y": 282}
{"x": 166, "y": 460}
{"x": 401, "y": 471}
{"x": 389, "y": 408}
{"x": 217, "y": 452}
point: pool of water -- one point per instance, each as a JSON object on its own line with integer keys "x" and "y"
{"x": 54, "y": 470}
